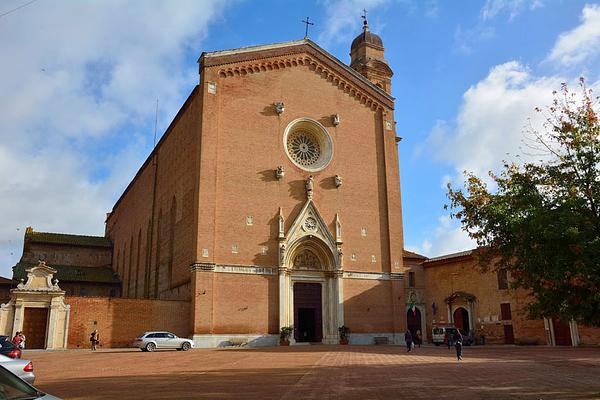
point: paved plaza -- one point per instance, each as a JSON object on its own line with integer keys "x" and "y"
{"x": 322, "y": 372}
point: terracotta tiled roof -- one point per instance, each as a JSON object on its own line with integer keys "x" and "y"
{"x": 450, "y": 256}
{"x": 63, "y": 238}
{"x": 410, "y": 254}
{"x": 5, "y": 281}
{"x": 71, "y": 273}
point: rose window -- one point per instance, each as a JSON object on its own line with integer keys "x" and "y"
{"x": 303, "y": 147}
{"x": 308, "y": 144}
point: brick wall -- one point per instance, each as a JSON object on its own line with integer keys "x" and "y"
{"x": 368, "y": 306}
{"x": 64, "y": 254}
{"x": 589, "y": 336}
{"x": 119, "y": 320}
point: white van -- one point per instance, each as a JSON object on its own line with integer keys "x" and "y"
{"x": 439, "y": 335}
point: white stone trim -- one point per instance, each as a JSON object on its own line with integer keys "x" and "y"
{"x": 234, "y": 269}
{"x": 381, "y": 276}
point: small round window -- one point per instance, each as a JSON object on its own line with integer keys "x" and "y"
{"x": 307, "y": 144}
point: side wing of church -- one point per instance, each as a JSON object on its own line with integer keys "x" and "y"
{"x": 273, "y": 199}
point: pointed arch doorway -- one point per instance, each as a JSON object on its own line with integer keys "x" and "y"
{"x": 310, "y": 278}
{"x": 308, "y": 318}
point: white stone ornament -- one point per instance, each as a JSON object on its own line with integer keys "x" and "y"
{"x": 335, "y": 119}
{"x": 309, "y": 187}
{"x": 338, "y": 181}
{"x": 279, "y": 107}
{"x": 279, "y": 172}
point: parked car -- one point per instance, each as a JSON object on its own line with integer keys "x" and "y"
{"x": 150, "y": 341}
{"x": 12, "y": 387}
{"x": 7, "y": 348}
{"x": 21, "y": 368}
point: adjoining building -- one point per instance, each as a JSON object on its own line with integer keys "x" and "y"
{"x": 82, "y": 263}
{"x": 456, "y": 293}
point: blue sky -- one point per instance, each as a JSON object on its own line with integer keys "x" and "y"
{"x": 79, "y": 84}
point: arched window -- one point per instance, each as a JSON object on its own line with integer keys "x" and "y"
{"x": 158, "y": 246}
{"x": 137, "y": 264}
{"x": 130, "y": 265}
{"x": 147, "y": 261}
{"x": 172, "y": 215}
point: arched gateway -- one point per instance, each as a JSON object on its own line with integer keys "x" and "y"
{"x": 310, "y": 271}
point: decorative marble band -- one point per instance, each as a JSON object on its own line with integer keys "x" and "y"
{"x": 380, "y": 276}
{"x": 256, "y": 270}
{"x": 202, "y": 267}
{"x": 397, "y": 276}
{"x": 234, "y": 269}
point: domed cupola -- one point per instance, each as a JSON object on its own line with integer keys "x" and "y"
{"x": 367, "y": 37}
{"x": 367, "y": 57}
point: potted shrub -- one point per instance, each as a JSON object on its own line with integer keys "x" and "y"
{"x": 284, "y": 335}
{"x": 344, "y": 332}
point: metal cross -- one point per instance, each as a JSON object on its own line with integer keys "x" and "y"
{"x": 364, "y": 16}
{"x": 307, "y": 24}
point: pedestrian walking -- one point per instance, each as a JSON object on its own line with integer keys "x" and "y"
{"x": 94, "y": 339}
{"x": 458, "y": 344}
{"x": 408, "y": 338}
{"x": 22, "y": 344}
{"x": 418, "y": 338}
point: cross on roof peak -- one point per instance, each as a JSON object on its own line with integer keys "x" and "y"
{"x": 307, "y": 22}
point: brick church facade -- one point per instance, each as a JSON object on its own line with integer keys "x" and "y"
{"x": 273, "y": 200}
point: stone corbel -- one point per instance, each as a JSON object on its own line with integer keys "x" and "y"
{"x": 279, "y": 107}
{"x": 279, "y": 172}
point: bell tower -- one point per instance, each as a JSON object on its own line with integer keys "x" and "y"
{"x": 366, "y": 57}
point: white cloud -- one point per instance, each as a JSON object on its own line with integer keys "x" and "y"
{"x": 493, "y": 8}
{"x": 491, "y": 121}
{"x": 466, "y": 39}
{"x": 343, "y": 19}
{"x": 581, "y": 43}
{"x": 446, "y": 238}
{"x": 78, "y": 77}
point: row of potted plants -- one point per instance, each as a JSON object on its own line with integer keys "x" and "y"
{"x": 286, "y": 333}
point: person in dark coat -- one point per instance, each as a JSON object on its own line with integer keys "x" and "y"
{"x": 408, "y": 338}
{"x": 94, "y": 339}
{"x": 458, "y": 344}
{"x": 418, "y": 338}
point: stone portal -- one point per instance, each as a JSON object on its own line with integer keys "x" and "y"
{"x": 37, "y": 308}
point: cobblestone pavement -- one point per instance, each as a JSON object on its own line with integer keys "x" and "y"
{"x": 322, "y": 372}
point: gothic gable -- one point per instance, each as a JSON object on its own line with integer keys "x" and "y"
{"x": 310, "y": 224}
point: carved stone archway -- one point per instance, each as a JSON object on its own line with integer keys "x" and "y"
{"x": 310, "y": 254}
{"x": 461, "y": 300}
{"x": 40, "y": 291}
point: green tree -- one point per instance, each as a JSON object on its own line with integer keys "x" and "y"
{"x": 541, "y": 221}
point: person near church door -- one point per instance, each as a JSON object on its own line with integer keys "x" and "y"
{"x": 418, "y": 338}
{"x": 17, "y": 339}
{"x": 22, "y": 344}
{"x": 408, "y": 338}
{"x": 458, "y": 344}
{"x": 94, "y": 339}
